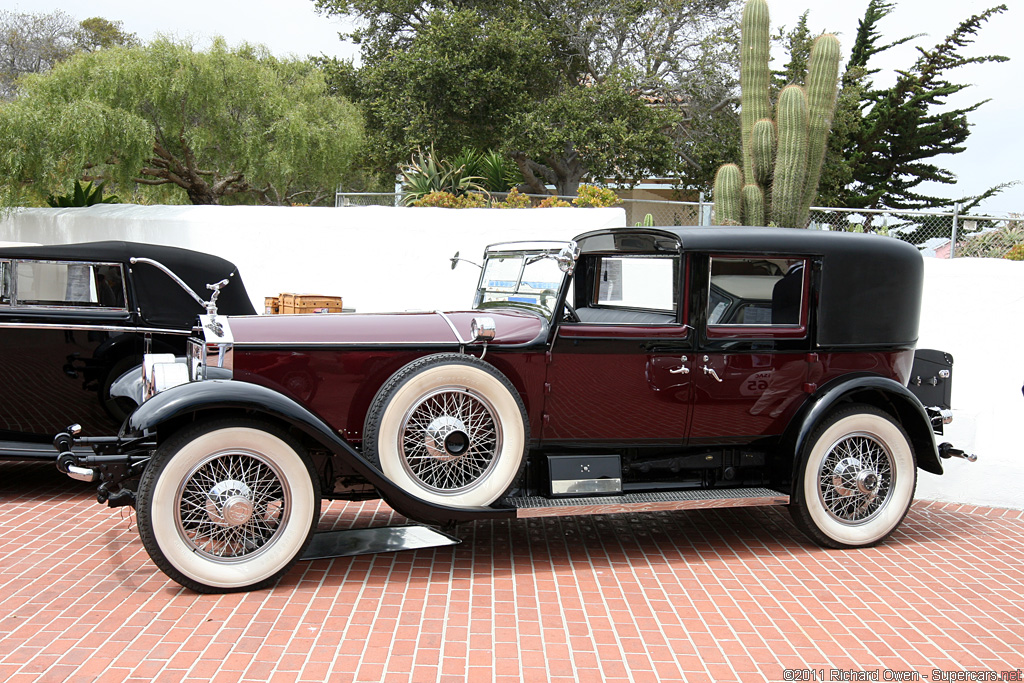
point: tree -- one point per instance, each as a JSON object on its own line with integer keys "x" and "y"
{"x": 31, "y": 43}
{"x": 485, "y": 74}
{"x": 892, "y": 144}
{"x": 222, "y": 124}
{"x": 604, "y": 131}
{"x": 97, "y": 33}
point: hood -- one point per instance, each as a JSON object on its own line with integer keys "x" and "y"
{"x": 323, "y": 329}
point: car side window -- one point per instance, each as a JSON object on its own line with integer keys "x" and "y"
{"x": 5, "y": 282}
{"x": 67, "y": 285}
{"x": 756, "y": 292}
{"x": 642, "y": 282}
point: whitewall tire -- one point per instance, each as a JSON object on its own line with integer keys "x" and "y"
{"x": 856, "y": 479}
{"x": 227, "y": 505}
{"x": 449, "y": 429}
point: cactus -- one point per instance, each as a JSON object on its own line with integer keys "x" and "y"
{"x": 753, "y": 204}
{"x": 822, "y": 84}
{"x": 728, "y": 195}
{"x": 791, "y": 159}
{"x": 754, "y": 75}
{"x": 785, "y": 154}
{"x": 762, "y": 147}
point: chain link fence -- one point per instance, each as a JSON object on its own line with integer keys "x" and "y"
{"x": 935, "y": 233}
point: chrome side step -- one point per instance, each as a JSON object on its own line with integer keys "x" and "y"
{"x": 537, "y": 506}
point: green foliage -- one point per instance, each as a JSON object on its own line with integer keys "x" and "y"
{"x": 603, "y": 132}
{"x": 786, "y": 154}
{"x": 997, "y": 243}
{"x": 85, "y": 195}
{"x": 233, "y": 124}
{"x": 427, "y": 173}
{"x": 35, "y": 42}
{"x": 447, "y": 200}
{"x": 1016, "y": 252}
{"x": 497, "y": 172}
{"x": 591, "y": 196}
{"x": 97, "y": 33}
{"x": 890, "y": 136}
{"x": 514, "y": 200}
{"x": 648, "y": 222}
{"x": 552, "y": 202}
{"x": 526, "y": 78}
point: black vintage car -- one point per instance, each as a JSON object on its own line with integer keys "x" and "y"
{"x": 76, "y": 317}
{"x": 631, "y": 369}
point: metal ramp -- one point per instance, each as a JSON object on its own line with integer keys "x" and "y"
{"x": 388, "y": 539}
{"x": 384, "y": 539}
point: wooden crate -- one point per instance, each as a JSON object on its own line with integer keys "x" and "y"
{"x": 309, "y": 303}
{"x": 272, "y": 305}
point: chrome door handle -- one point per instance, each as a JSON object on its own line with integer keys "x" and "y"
{"x": 711, "y": 371}
{"x": 682, "y": 369}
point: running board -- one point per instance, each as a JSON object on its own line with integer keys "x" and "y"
{"x": 383, "y": 539}
{"x": 537, "y": 506}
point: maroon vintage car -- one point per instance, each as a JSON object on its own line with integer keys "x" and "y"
{"x": 631, "y": 369}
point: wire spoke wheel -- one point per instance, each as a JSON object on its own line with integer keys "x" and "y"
{"x": 449, "y": 429}
{"x": 232, "y": 505}
{"x": 450, "y": 439}
{"x": 856, "y": 478}
{"x": 227, "y": 505}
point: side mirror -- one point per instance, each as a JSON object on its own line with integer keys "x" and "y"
{"x": 455, "y": 261}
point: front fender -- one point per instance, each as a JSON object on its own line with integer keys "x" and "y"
{"x": 213, "y": 395}
{"x": 881, "y": 392}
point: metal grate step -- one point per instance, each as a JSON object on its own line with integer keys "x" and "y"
{"x": 537, "y": 506}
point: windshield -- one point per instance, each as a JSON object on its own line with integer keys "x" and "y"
{"x": 528, "y": 279}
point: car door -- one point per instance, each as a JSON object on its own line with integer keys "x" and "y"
{"x": 64, "y": 326}
{"x": 752, "y": 363}
{"x": 620, "y": 373}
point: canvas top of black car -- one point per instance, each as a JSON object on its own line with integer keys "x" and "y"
{"x": 628, "y": 370}
{"x": 75, "y": 317}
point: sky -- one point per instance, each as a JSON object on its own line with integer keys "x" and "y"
{"x": 995, "y": 149}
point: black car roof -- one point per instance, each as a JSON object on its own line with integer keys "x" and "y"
{"x": 161, "y": 300}
{"x": 870, "y": 286}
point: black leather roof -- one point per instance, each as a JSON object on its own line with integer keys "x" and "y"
{"x": 161, "y": 301}
{"x": 870, "y": 286}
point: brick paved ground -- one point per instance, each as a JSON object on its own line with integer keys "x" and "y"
{"x": 697, "y": 596}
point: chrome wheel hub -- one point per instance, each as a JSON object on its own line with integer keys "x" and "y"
{"x": 231, "y": 505}
{"x": 855, "y": 478}
{"x": 449, "y": 440}
{"x": 446, "y": 438}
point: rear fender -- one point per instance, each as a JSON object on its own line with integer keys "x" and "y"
{"x": 193, "y": 398}
{"x": 881, "y": 392}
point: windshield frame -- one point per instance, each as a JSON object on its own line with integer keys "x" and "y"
{"x": 529, "y": 252}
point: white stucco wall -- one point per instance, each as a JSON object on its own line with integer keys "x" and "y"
{"x": 378, "y": 258}
{"x": 384, "y": 258}
{"x": 974, "y": 309}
